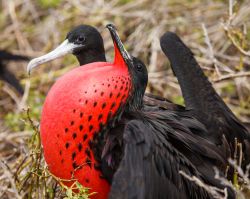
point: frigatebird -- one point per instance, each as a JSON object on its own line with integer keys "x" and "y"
{"x": 96, "y": 120}
{"x": 5, "y": 74}
{"x": 201, "y": 100}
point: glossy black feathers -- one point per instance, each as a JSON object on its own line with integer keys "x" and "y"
{"x": 162, "y": 138}
{"x": 5, "y": 74}
{"x": 92, "y": 44}
{"x": 201, "y": 99}
{"x": 156, "y": 148}
{"x": 145, "y": 150}
{"x": 150, "y": 165}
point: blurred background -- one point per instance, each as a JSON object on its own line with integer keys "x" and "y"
{"x": 218, "y": 33}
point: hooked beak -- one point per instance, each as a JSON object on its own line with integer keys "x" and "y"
{"x": 121, "y": 53}
{"x": 64, "y": 48}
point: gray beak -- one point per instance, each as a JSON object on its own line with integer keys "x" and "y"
{"x": 64, "y": 48}
{"x": 126, "y": 56}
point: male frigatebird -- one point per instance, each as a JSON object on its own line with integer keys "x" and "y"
{"x": 202, "y": 101}
{"x": 5, "y": 74}
{"x": 144, "y": 148}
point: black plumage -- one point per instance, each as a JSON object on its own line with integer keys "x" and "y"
{"x": 143, "y": 149}
{"x": 150, "y": 165}
{"x": 156, "y": 146}
{"x": 151, "y": 144}
{"x": 201, "y": 99}
{"x": 93, "y": 47}
{"x": 5, "y": 74}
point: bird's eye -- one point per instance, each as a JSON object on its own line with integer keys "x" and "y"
{"x": 139, "y": 67}
{"x": 80, "y": 39}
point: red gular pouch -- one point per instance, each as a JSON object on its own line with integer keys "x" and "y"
{"x": 77, "y": 112}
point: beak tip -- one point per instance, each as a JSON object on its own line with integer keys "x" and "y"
{"x": 111, "y": 26}
{"x": 32, "y": 64}
{"x": 28, "y": 71}
{"x": 63, "y": 49}
{"x": 29, "y": 68}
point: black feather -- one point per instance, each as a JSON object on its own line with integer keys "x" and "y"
{"x": 5, "y": 74}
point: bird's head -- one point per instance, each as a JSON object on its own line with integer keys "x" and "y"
{"x": 84, "y": 41}
{"x": 137, "y": 70}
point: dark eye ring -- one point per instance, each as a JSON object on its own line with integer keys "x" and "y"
{"x": 139, "y": 66}
{"x": 81, "y": 38}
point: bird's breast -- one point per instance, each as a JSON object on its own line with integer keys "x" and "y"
{"x": 75, "y": 111}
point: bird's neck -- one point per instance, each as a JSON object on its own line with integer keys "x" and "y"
{"x": 91, "y": 56}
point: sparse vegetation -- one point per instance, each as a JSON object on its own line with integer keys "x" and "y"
{"x": 218, "y": 32}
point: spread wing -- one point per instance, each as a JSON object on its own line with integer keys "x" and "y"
{"x": 200, "y": 97}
